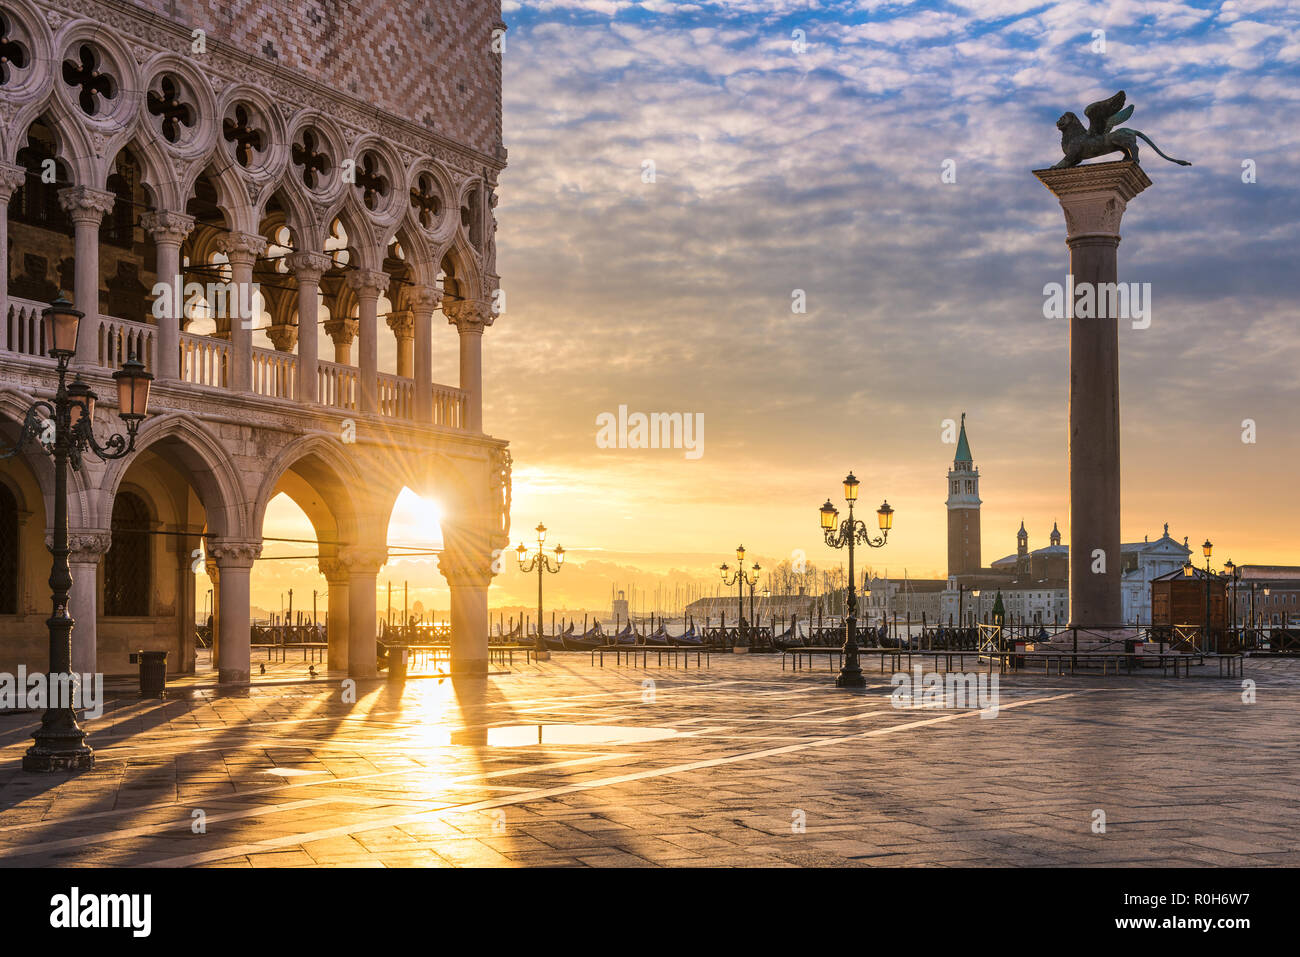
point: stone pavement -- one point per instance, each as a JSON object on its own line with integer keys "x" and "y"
{"x": 737, "y": 765}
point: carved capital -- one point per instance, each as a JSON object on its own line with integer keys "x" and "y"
{"x": 402, "y": 322}
{"x": 1094, "y": 197}
{"x": 468, "y": 315}
{"x": 424, "y": 298}
{"x": 466, "y": 571}
{"x": 231, "y": 554}
{"x": 11, "y": 177}
{"x": 167, "y": 227}
{"x": 86, "y": 205}
{"x": 308, "y": 267}
{"x": 241, "y": 248}
{"x": 342, "y": 331}
{"x": 86, "y": 547}
{"x": 361, "y": 560}
{"x": 367, "y": 283}
{"x": 283, "y": 335}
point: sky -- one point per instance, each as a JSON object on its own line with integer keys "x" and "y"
{"x": 681, "y": 174}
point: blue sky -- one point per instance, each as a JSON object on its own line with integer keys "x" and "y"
{"x": 820, "y": 170}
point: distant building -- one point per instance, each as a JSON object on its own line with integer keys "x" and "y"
{"x": 780, "y": 607}
{"x": 963, "y": 510}
{"x": 1266, "y": 595}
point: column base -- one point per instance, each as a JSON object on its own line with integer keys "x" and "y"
{"x": 471, "y": 667}
{"x": 1093, "y": 638}
{"x": 232, "y": 676}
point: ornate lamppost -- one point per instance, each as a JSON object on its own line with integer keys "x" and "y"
{"x": 541, "y": 562}
{"x": 845, "y": 535}
{"x": 740, "y": 579}
{"x": 63, "y": 429}
{"x": 1234, "y": 575}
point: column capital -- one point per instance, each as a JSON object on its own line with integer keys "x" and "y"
{"x": 342, "y": 331}
{"x": 234, "y": 554}
{"x": 367, "y": 282}
{"x": 1094, "y": 196}
{"x": 468, "y": 315}
{"x": 308, "y": 267}
{"x": 469, "y": 571}
{"x": 166, "y": 226}
{"x": 402, "y": 322}
{"x": 86, "y": 546}
{"x": 283, "y": 335}
{"x": 11, "y": 177}
{"x": 241, "y": 248}
{"x": 362, "y": 559}
{"x": 424, "y": 298}
{"x": 86, "y": 205}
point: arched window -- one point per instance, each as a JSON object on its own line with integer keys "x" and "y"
{"x": 128, "y": 572}
{"x": 8, "y": 552}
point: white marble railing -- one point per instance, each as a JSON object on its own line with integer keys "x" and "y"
{"x": 25, "y": 329}
{"x": 117, "y": 339}
{"x": 204, "y": 360}
{"x": 396, "y": 397}
{"x": 275, "y": 374}
{"x": 337, "y": 385}
{"x": 448, "y": 406}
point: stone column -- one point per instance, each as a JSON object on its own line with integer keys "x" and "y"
{"x": 468, "y": 574}
{"x": 86, "y": 551}
{"x": 368, "y": 285}
{"x": 307, "y": 269}
{"x": 242, "y": 249}
{"x": 86, "y": 208}
{"x": 337, "y": 599}
{"x": 470, "y": 319}
{"x": 402, "y": 322}
{"x": 1094, "y": 198}
{"x": 424, "y": 300}
{"x": 11, "y": 177}
{"x": 362, "y": 566}
{"x": 169, "y": 231}
{"x": 234, "y": 565}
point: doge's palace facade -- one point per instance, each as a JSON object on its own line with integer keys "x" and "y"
{"x": 220, "y": 192}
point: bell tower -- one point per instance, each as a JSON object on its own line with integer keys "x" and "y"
{"x": 963, "y": 510}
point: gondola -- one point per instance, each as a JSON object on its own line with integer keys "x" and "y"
{"x": 658, "y": 638}
{"x": 625, "y": 637}
{"x": 593, "y": 637}
{"x": 688, "y": 638}
{"x": 557, "y": 642}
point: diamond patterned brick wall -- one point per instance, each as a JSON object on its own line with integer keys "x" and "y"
{"x": 429, "y": 62}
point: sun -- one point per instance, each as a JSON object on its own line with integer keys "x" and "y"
{"x": 415, "y": 520}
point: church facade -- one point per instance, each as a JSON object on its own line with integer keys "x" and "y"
{"x": 250, "y": 210}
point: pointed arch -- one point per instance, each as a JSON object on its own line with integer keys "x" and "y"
{"x": 198, "y": 454}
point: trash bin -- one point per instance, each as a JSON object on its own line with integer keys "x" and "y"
{"x": 397, "y": 658}
{"x": 153, "y": 672}
{"x": 1018, "y": 646}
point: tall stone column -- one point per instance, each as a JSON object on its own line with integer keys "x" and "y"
{"x": 242, "y": 249}
{"x": 86, "y": 551}
{"x": 169, "y": 231}
{"x": 11, "y": 177}
{"x": 362, "y": 565}
{"x": 336, "y": 624}
{"x": 466, "y": 564}
{"x": 402, "y": 323}
{"x": 368, "y": 284}
{"x": 86, "y": 208}
{"x": 470, "y": 319}
{"x": 1094, "y": 198}
{"x": 307, "y": 269}
{"x": 424, "y": 300}
{"x": 234, "y": 566}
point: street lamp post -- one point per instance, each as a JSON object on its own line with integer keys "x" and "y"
{"x": 979, "y": 605}
{"x": 541, "y": 562}
{"x": 846, "y": 534}
{"x": 740, "y": 580}
{"x": 1207, "y": 548}
{"x": 63, "y": 429}
{"x": 1234, "y": 576}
